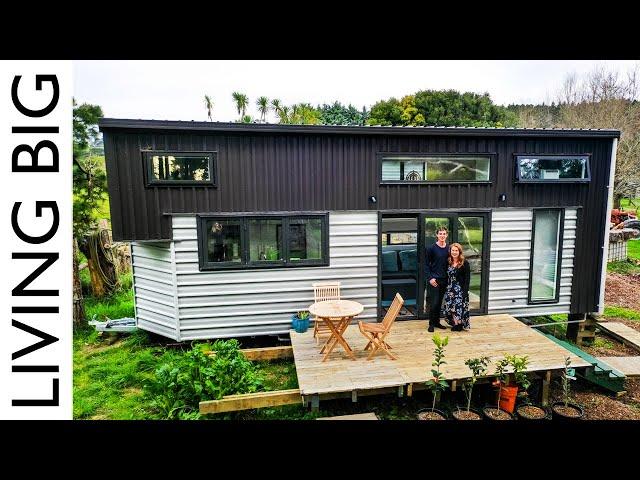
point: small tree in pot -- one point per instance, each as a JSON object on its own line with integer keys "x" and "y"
{"x": 567, "y": 410}
{"x": 526, "y": 410}
{"x": 437, "y": 384}
{"x": 478, "y": 367}
{"x": 501, "y": 379}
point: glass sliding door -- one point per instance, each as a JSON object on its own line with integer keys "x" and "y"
{"x": 399, "y": 262}
{"x": 404, "y": 239}
{"x": 470, "y": 234}
{"x": 470, "y": 231}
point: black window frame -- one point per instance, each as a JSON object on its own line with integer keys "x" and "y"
{"x": 246, "y": 263}
{"x": 554, "y": 156}
{"x": 147, "y": 165}
{"x": 556, "y": 299}
{"x": 492, "y": 163}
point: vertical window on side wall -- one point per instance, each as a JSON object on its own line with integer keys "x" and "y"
{"x": 546, "y": 255}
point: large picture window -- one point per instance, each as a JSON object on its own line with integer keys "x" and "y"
{"x": 180, "y": 168}
{"x": 552, "y": 168}
{"x": 443, "y": 168}
{"x": 267, "y": 241}
{"x": 546, "y": 256}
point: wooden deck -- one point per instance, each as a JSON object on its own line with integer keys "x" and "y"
{"x": 630, "y": 366}
{"x": 620, "y": 331}
{"x": 491, "y": 335}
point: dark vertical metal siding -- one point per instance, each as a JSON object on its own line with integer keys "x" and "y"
{"x": 310, "y": 171}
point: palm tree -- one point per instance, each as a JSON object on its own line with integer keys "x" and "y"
{"x": 241, "y": 103}
{"x": 275, "y": 104}
{"x": 283, "y": 113}
{"x": 209, "y": 106}
{"x": 263, "y": 107}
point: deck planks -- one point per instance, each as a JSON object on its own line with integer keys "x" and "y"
{"x": 491, "y": 335}
{"x": 630, "y": 366}
{"x": 620, "y": 331}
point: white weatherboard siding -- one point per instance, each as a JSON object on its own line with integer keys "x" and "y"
{"x": 218, "y": 304}
{"x": 154, "y": 287}
{"x": 509, "y": 267}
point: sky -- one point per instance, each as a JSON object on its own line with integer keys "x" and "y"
{"x": 174, "y": 90}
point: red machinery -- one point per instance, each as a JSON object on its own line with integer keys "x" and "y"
{"x": 618, "y": 215}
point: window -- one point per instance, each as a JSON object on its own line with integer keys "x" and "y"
{"x": 546, "y": 257}
{"x": 552, "y": 168}
{"x": 180, "y": 168}
{"x": 270, "y": 240}
{"x": 443, "y": 168}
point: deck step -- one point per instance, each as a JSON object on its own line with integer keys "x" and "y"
{"x": 600, "y": 373}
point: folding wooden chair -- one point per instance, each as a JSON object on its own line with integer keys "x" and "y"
{"x": 324, "y": 291}
{"x": 376, "y": 332}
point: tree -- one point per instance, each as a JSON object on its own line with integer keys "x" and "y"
{"x": 299, "y": 114}
{"x": 208, "y": 103}
{"x": 605, "y": 99}
{"x": 89, "y": 191}
{"x": 263, "y": 107}
{"x": 441, "y": 108}
{"x": 386, "y": 112}
{"x": 338, "y": 114}
{"x": 242, "y": 102}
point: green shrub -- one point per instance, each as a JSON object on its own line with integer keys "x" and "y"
{"x": 183, "y": 381}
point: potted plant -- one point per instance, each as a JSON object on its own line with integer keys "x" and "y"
{"x": 300, "y": 321}
{"x": 478, "y": 367}
{"x": 497, "y": 413}
{"x": 437, "y": 384}
{"x": 566, "y": 410}
{"x": 525, "y": 409}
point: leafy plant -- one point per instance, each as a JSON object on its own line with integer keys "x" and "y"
{"x": 303, "y": 315}
{"x": 567, "y": 376}
{"x": 478, "y": 367}
{"x": 501, "y": 375}
{"x": 437, "y": 383}
{"x": 519, "y": 364}
{"x": 182, "y": 382}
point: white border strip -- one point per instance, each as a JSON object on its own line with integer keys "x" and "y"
{"x": 605, "y": 246}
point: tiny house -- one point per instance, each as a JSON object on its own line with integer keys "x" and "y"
{"x": 231, "y": 223}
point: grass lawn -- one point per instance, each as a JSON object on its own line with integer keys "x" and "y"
{"x": 624, "y": 268}
{"x": 620, "y": 312}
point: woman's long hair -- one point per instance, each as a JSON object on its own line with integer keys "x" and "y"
{"x": 460, "y": 257}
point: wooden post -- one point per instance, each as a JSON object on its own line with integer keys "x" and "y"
{"x": 400, "y": 391}
{"x": 409, "y": 389}
{"x": 546, "y": 382}
{"x": 454, "y": 385}
{"x": 574, "y": 328}
{"x": 315, "y": 403}
{"x": 354, "y": 396}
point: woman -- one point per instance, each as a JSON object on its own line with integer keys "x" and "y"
{"x": 456, "y": 298}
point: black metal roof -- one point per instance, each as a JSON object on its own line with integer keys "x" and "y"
{"x": 120, "y": 123}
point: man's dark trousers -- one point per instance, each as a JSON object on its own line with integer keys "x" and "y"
{"x": 436, "y": 295}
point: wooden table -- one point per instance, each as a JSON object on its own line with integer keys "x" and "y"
{"x": 337, "y": 315}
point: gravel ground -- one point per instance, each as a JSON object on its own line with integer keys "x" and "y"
{"x": 623, "y": 290}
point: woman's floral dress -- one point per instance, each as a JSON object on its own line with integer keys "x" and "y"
{"x": 456, "y": 303}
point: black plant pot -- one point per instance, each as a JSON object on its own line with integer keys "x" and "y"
{"x": 562, "y": 417}
{"x": 439, "y": 412}
{"x": 464, "y": 409}
{"x": 489, "y": 417}
{"x": 524, "y": 417}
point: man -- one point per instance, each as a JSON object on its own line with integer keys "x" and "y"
{"x": 436, "y": 274}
